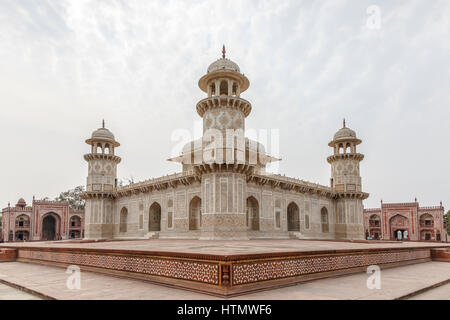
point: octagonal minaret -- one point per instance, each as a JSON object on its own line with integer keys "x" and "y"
{"x": 101, "y": 183}
{"x": 223, "y": 108}
{"x": 346, "y": 183}
{"x": 224, "y": 158}
{"x": 222, "y": 164}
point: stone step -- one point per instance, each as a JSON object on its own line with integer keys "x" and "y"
{"x": 152, "y": 235}
{"x": 396, "y": 283}
{"x": 440, "y": 254}
{"x": 8, "y": 255}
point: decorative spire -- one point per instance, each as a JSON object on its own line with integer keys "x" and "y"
{"x": 343, "y": 123}
{"x": 415, "y": 199}
{"x": 103, "y": 123}
{"x": 223, "y": 52}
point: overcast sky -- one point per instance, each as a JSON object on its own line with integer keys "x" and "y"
{"x": 66, "y": 65}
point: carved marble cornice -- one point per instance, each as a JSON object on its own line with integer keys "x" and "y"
{"x": 102, "y": 156}
{"x": 242, "y": 168}
{"x": 161, "y": 183}
{"x": 352, "y": 195}
{"x": 233, "y": 102}
{"x": 97, "y": 195}
{"x": 292, "y": 184}
{"x": 346, "y": 156}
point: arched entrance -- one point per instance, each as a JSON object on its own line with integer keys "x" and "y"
{"x": 49, "y": 228}
{"x": 154, "y": 217}
{"x": 293, "y": 215}
{"x": 399, "y": 223}
{"x": 426, "y": 235}
{"x": 195, "y": 214}
{"x": 252, "y": 214}
{"x": 22, "y": 235}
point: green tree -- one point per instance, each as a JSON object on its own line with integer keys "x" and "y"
{"x": 73, "y": 197}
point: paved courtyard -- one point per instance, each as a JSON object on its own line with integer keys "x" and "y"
{"x": 440, "y": 293}
{"x": 395, "y": 283}
{"x": 228, "y": 247}
{"x": 10, "y": 293}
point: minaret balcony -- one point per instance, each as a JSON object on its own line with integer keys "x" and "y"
{"x": 102, "y": 156}
{"x": 224, "y": 101}
{"x": 341, "y": 156}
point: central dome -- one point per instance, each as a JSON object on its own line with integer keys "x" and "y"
{"x": 223, "y": 64}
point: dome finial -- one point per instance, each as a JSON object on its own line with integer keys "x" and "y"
{"x": 343, "y": 123}
{"x": 223, "y": 52}
{"x": 103, "y": 123}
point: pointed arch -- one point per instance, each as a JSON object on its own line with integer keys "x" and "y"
{"x": 252, "y": 214}
{"x": 154, "y": 217}
{"x": 224, "y": 87}
{"x": 195, "y": 213}
{"x": 293, "y": 215}
{"x": 23, "y": 221}
{"x": 50, "y": 226}
{"x": 426, "y": 220}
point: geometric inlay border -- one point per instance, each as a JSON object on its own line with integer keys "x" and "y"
{"x": 249, "y": 272}
{"x": 179, "y": 269}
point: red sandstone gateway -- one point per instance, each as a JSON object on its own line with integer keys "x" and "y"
{"x": 409, "y": 220}
{"x": 43, "y": 221}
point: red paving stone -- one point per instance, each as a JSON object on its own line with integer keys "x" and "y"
{"x": 395, "y": 283}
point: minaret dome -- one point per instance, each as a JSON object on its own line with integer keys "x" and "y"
{"x": 223, "y": 78}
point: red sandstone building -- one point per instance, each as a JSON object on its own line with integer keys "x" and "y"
{"x": 417, "y": 223}
{"x": 44, "y": 220}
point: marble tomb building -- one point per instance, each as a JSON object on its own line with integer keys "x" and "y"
{"x": 223, "y": 190}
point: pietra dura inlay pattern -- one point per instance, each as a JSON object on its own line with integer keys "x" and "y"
{"x": 187, "y": 270}
{"x": 244, "y": 273}
{"x": 228, "y": 274}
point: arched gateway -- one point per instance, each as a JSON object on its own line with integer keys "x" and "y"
{"x": 50, "y": 227}
{"x": 399, "y": 223}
